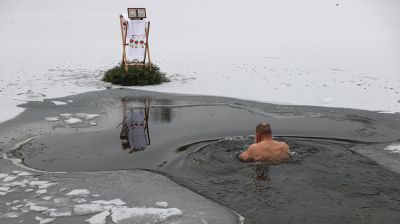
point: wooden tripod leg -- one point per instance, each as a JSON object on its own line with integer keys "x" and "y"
{"x": 123, "y": 36}
{"x": 147, "y": 44}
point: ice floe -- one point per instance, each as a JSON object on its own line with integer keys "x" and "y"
{"x": 110, "y": 202}
{"x": 66, "y": 115}
{"x": 12, "y": 215}
{"x": 37, "y": 208}
{"x": 99, "y": 218}
{"x": 4, "y": 189}
{"x": 41, "y": 191}
{"x": 51, "y": 118}
{"x": 46, "y": 198}
{"x": 162, "y": 204}
{"x": 48, "y": 207}
{"x": 9, "y": 178}
{"x": 59, "y": 103}
{"x": 77, "y": 192}
{"x": 60, "y": 213}
{"x": 86, "y": 209}
{"x": 86, "y": 116}
{"x": 44, "y": 220}
{"x": 143, "y": 215}
{"x": 41, "y": 184}
{"x": 73, "y": 120}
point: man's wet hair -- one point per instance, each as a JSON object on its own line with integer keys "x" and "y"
{"x": 264, "y": 128}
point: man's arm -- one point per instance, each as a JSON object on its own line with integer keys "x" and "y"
{"x": 247, "y": 155}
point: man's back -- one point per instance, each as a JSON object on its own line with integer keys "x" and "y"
{"x": 266, "y": 150}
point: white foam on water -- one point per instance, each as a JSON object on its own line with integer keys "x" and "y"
{"x": 78, "y": 192}
{"x": 59, "y": 103}
{"x": 393, "y": 148}
{"x": 73, "y": 120}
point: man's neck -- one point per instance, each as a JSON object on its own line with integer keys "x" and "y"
{"x": 266, "y": 139}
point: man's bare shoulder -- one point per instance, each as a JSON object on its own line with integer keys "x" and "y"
{"x": 283, "y": 145}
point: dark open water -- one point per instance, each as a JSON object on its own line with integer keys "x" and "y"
{"x": 323, "y": 182}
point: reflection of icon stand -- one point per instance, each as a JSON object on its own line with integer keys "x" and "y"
{"x": 135, "y": 134}
{"x": 135, "y": 14}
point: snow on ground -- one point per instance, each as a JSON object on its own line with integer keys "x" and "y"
{"x": 310, "y": 52}
{"x": 54, "y": 204}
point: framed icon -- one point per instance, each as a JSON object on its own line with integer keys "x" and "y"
{"x": 136, "y": 13}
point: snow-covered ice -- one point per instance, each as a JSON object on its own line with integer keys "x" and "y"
{"x": 316, "y": 56}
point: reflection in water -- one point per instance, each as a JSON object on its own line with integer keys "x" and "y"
{"x": 135, "y": 134}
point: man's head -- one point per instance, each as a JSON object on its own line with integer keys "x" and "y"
{"x": 263, "y": 131}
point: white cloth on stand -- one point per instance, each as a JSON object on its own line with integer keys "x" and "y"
{"x": 136, "y": 39}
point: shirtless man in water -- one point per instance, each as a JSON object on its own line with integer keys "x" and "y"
{"x": 265, "y": 148}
